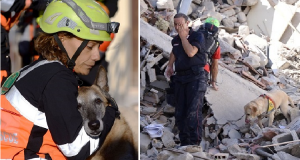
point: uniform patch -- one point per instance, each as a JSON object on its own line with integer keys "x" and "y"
{"x": 271, "y": 105}
{"x": 9, "y": 82}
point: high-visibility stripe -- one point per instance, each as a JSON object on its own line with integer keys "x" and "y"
{"x": 25, "y": 72}
{"x": 25, "y": 108}
{"x": 72, "y": 149}
{"x": 37, "y": 159}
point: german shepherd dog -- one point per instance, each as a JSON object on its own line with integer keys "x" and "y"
{"x": 119, "y": 143}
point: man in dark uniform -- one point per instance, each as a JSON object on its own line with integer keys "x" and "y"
{"x": 190, "y": 80}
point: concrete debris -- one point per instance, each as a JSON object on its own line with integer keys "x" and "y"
{"x": 167, "y": 139}
{"x": 157, "y": 143}
{"x": 283, "y": 155}
{"x": 165, "y": 4}
{"x": 234, "y": 134}
{"x": 144, "y": 142}
{"x": 185, "y": 156}
{"x": 291, "y": 148}
{"x": 241, "y": 156}
{"x": 152, "y": 152}
{"x": 259, "y": 52}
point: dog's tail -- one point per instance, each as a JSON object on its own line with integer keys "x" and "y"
{"x": 291, "y": 102}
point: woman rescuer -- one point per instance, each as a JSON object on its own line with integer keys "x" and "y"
{"x": 39, "y": 116}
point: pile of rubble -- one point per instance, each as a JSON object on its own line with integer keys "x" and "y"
{"x": 254, "y": 60}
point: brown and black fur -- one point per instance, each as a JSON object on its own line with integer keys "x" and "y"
{"x": 119, "y": 143}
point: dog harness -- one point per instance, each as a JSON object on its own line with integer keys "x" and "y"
{"x": 271, "y": 103}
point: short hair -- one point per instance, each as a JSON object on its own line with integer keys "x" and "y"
{"x": 181, "y": 15}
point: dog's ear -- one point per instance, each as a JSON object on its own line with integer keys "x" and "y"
{"x": 101, "y": 79}
{"x": 254, "y": 109}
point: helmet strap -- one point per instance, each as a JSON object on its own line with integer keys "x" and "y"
{"x": 71, "y": 62}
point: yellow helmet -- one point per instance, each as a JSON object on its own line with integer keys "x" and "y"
{"x": 85, "y": 19}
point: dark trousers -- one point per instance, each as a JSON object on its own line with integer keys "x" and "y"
{"x": 188, "y": 115}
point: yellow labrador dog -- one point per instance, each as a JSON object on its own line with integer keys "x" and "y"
{"x": 265, "y": 105}
{"x": 119, "y": 143}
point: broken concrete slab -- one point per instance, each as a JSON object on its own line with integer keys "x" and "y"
{"x": 294, "y": 125}
{"x": 148, "y": 110}
{"x": 166, "y": 155}
{"x": 294, "y": 113}
{"x": 144, "y": 142}
{"x": 199, "y": 155}
{"x": 241, "y": 17}
{"x": 229, "y": 142}
{"x": 209, "y": 6}
{"x": 256, "y": 129}
{"x": 157, "y": 38}
{"x": 256, "y": 41}
{"x": 242, "y": 156}
{"x": 151, "y": 97}
{"x": 162, "y": 25}
{"x": 221, "y": 156}
{"x": 168, "y": 109}
{"x": 152, "y": 152}
{"x": 152, "y": 74}
{"x": 234, "y": 149}
{"x": 161, "y": 85}
{"x": 234, "y": 134}
{"x": 226, "y": 37}
{"x": 243, "y": 31}
{"x": 234, "y": 19}
{"x": 249, "y": 2}
{"x": 227, "y": 48}
{"x": 165, "y": 4}
{"x": 253, "y": 60}
{"x": 231, "y": 106}
{"x": 229, "y": 12}
{"x": 210, "y": 120}
{"x": 285, "y": 137}
{"x": 284, "y": 155}
{"x": 226, "y": 7}
{"x": 227, "y": 128}
{"x": 227, "y": 22}
{"x": 167, "y": 139}
{"x": 290, "y": 36}
{"x": 193, "y": 149}
{"x": 143, "y": 6}
{"x": 272, "y": 22}
{"x": 185, "y": 156}
{"x": 151, "y": 63}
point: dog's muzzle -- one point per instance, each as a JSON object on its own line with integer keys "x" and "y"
{"x": 94, "y": 124}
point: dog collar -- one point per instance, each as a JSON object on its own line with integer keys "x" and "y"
{"x": 271, "y": 103}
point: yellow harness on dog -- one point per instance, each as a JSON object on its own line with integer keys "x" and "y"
{"x": 271, "y": 104}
